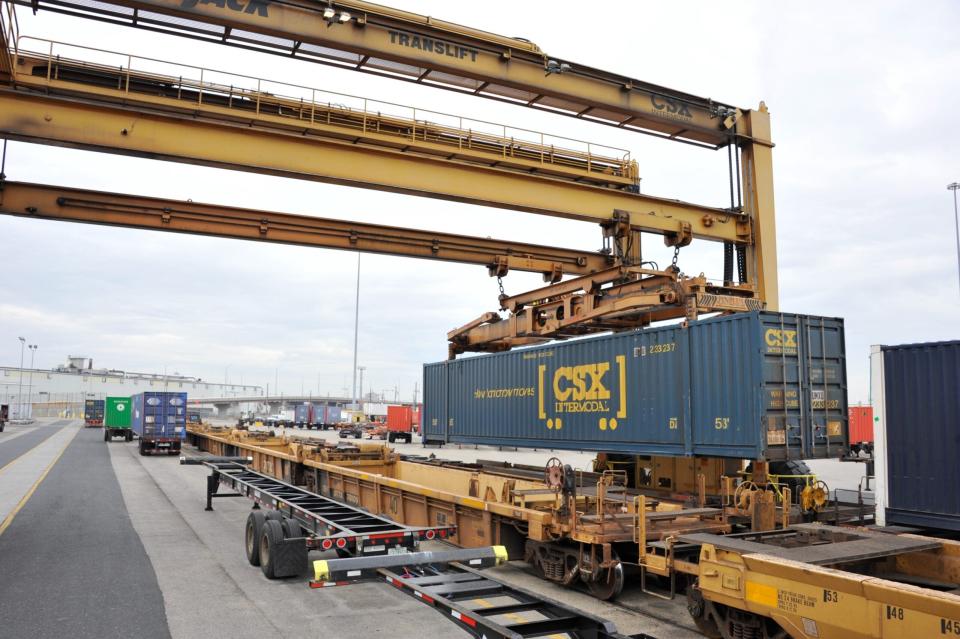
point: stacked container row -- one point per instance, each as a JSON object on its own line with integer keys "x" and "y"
{"x": 318, "y": 416}
{"x": 759, "y": 385}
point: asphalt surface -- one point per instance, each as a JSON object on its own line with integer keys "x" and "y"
{"x": 15, "y": 447}
{"x": 71, "y": 563}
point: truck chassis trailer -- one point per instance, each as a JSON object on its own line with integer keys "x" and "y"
{"x": 316, "y": 522}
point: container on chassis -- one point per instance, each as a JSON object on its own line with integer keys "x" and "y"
{"x": 160, "y": 421}
{"x": 117, "y": 417}
{"x": 4, "y": 415}
{"x": 303, "y": 415}
{"x": 761, "y": 385}
{"x": 400, "y": 423}
{"x": 324, "y": 417}
{"x": 93, "y": 412}
{"x": 916, "y": 400}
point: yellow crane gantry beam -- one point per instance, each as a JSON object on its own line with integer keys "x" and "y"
{"x": 42, "y": 201}
{"x": 161, "y": 122}
{"x": 399, "y": 44}
{"x": 371, "y": 38}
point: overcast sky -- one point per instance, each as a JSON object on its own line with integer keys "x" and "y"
{"x": 863, "y": 98}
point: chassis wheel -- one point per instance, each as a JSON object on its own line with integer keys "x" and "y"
{"x": 251, "y": 537}
{"x": 273, "y": 531}
{"x": 291, "y": 528}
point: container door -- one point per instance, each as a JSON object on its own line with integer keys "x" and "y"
{"x": 825, "y": 388}
{"x": 785, "y": 431}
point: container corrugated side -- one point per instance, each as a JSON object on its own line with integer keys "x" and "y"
{"x": 917, "y": 400}
{"x": 754, "y": 385}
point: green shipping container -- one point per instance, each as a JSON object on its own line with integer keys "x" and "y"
{"x": 117, "y": 412}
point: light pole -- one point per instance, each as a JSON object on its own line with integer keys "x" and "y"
{"x": 356, "y": 333}
{"x": 23, "y": 342}
{"x": 361, "y": 369}
{"x": 33, "y": 351}
{"x": 953, "y": 186}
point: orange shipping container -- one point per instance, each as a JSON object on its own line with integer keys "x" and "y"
{"x": 861, "y": 424}
{"x": 399, "y": 419}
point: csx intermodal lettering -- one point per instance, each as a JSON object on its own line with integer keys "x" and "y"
{"x": 580, "y": 383}
{"x": 781, "y": 338}
{"x": 253, "y": 6}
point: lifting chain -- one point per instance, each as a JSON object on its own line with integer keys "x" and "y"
{"x": 676, "y": 256}
{"x": 500, "y": 286}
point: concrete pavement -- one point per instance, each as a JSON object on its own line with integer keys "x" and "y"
{"x": 70, "y": 562}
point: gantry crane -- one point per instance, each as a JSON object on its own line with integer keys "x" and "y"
{"x": 52, "y": 94}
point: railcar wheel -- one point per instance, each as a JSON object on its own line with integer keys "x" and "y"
{"x": 608, "y": 584}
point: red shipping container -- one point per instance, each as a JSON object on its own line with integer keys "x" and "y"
{"x": 861, "y": 424}
{"x": 399, "y": 419}
{"x": 399, "y": 423}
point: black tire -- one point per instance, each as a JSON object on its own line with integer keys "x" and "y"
{"x": 106, "y": 434}
{"x": 251, "y": 536}
{"x": 129, "y": 436}
{"x": 271, "y": 536}
{"x": 273, "y": 514}
{"x": 291, "y": 528}
{"x": 391, "y": 438}
{"x": 143, "y": 449}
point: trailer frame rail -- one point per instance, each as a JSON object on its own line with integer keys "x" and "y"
{"x": 331, "y": 524}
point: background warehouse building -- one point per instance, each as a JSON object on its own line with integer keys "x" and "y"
{"x": 61, "y": 391}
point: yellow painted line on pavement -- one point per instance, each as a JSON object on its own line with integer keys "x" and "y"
{"x": 24, "y": 454}
{"x": 23, "y": 502}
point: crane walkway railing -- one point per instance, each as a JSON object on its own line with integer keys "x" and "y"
{"x": 51, "y": 63}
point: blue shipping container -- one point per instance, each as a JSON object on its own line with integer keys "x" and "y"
{"x": 916, "y": 395}
{"x": 331, "y": 415}
{"x": 758, "y": 385}
{"x": 160, "y": 415}
{"x": 302, "y": 414}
